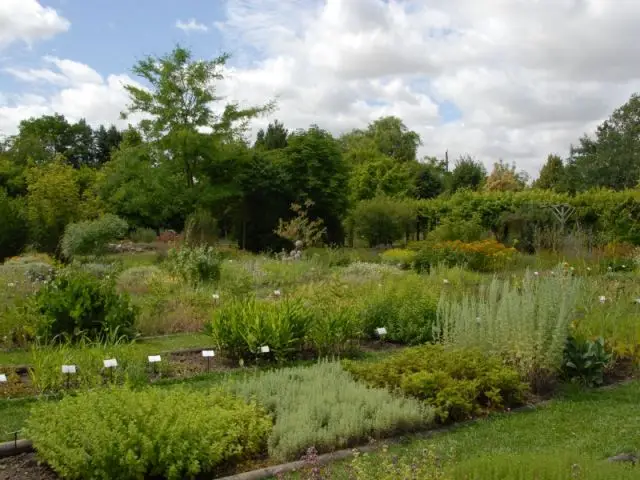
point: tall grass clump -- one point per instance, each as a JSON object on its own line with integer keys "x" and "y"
{"x": 195, "y": 265}
{"x": 241, "y": 327}
{"x": 406, "y": 306}
{"x": 152, "y": 433}
{"x": 322, "y": 406}
{"x": 525, "y": 321}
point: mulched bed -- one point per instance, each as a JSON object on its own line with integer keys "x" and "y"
{"x": 25, "y": 467}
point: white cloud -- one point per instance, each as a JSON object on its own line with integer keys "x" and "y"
{"x": 84, "y": 93}
{"x": 191, "y": 26}
{"x": 528, "y": 78}
{"x": 28, "y": 21}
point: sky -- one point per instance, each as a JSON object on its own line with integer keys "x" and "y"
{"x": 496, "y": 79}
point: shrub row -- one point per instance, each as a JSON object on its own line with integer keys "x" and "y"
{"x": 150, "y": 433}
{"x": 458, "y": 383}
{"x": 323, "y": 407}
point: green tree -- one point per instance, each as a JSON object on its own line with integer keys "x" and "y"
{"x": 431, "y": 178}
{"x": 52, "y": 202}
{"x": 105, "y": 142}
{"x": 179, "y": 117}
{"x": 14, "y": 228}
{"x": 275, "y": 137}
{"x": 393, "y": 138}
{"x": 467, "y": 173}
{"x": 383, "y": 176}
{"x": 612, "y": 158}
{"x": 552, "y": 175}
{"x": 317, "y": 172}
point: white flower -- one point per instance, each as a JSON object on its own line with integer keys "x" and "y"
{"x": 445, "y": 281}
{"x": 603, "y": 299}
{"x": 609, "y": 269}
{"x": 277, "y": 293}
{"x": 11, "y": 285}
{"x": 216, "y": 296}
{"x": 624, "y": 266}
{"x": 588, "y": 269}
{"x": 536, "y": 273}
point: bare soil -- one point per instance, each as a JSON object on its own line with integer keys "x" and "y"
{"x": 25, "y": 467}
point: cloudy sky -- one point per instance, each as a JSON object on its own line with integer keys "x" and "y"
{"x": 510, "y": 79}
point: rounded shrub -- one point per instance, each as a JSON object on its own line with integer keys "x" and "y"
{"x": 195, "y": 264}
{"x": 91, "y": 237}
{"x": 76, "y": 304}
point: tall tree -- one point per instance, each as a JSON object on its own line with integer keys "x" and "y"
{"x": 467, "y": 173}
{"x": 105, "y": 142}
{"x": 393, "y": 138}
{"x": 317, "y": 172}
{"x": 179, "y": 117}
{"x": 274, "y": 138}
{"x": 552, "y": 175}
{"x": 612, "y": 158}
{"x": 431, "y": 178}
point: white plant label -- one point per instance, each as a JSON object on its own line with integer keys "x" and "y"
{"x": 68, "y": 369}
{"x": 265, "y": 349}
{"x": 154, "y": 358}
{"x": 110, "y": 363}
{"x": 208, "y": 353}
{"x": 381, "y": 331}
{"x": 3, "y": 378}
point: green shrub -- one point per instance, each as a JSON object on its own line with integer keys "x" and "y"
{"x": 143, "y": 235}
{"x": 241, "y": 327}
{"x": 424, "y": 465}
{"x": 334, "y": 330}
{"x": 91, "y": 237}
{"x": 452, "y": 229}
{"x": 406, "y": 307}
{"x": 195, "y": 265}
{"x": 585, "y": 361}
{"x": 150, "y": 433}
{"x": 526, "y": 321}
{"x": 76, "y": 304}
{"x": 398, "y": 256}
{"x": 322, "y": 406}
{"x": 482, "y": 256}
{"x": 458, "y": 383}
{"x": 382, "y": 220}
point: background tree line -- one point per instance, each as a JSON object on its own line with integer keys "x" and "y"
{"x": 190, "y": 153}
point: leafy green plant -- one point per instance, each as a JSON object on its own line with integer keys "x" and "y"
{"x": 76, "y": 304}
{"x": 322, "y": 406}
{"x": 585, "y": 361}
{"x": 200, "y": 229}
{"x": 334, "y": 331}
{"x": 423, "y": 465}
{"x": 150, "y": 433}
{"x": 91, "y": 237}
{"x": 458, "y": 383}
{"x": 195, "y": 265}
{"x": 406, "y": 307}
{"x": 482, "y": 256}
{"x": 241, "y": 327}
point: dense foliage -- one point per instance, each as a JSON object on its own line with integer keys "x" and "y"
{"x": 151, "y": 433}
{"x": 186, "y": 159}
{"x": 323, "y": 407}
{"x": 458, "y": 383}
{"x": 76, "y": 304}
{"x": 91, "y": 236}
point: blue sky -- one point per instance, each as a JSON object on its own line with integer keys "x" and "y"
{"x": 494, "y": 79}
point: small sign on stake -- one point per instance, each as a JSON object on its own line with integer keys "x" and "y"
{"x": 110, "y": 363}
{"x": 154, "y": 358}
{"x": 208, "y": 354}
{"x": 3, "y": 378}
{"x": 265, "y": 349}
{"x": 69, "y": 369}
{"x": 381, "y": 331}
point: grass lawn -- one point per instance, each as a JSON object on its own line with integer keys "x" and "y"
{"x": 580, "y": 428}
